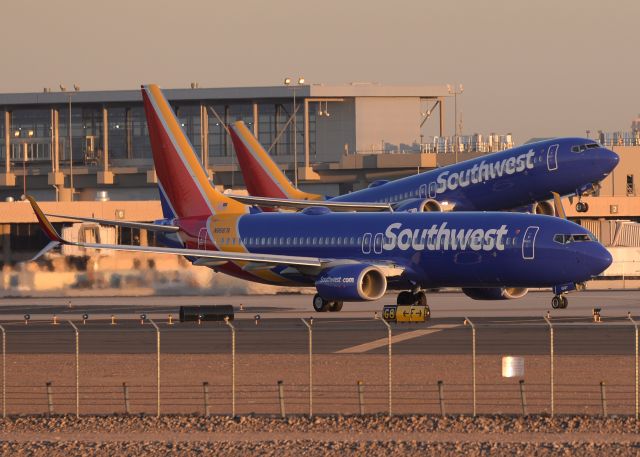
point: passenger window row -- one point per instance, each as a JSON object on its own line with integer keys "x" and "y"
{"x": 293, "y": 241}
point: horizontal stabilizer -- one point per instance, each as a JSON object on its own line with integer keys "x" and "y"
{"x": 302, "y": 204}
{"x": 118, "y": 223}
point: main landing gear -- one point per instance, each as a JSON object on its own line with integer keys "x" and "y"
{"x": 321, "y": 305}
{"x": 559, "y": 302}
{"x": 417, "y": 298}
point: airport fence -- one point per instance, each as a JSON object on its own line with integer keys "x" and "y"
{"x": 47, "y": 372}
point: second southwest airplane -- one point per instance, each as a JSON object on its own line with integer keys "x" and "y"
{"x": 350, "y": 256}
{"x": 521, "y": 178}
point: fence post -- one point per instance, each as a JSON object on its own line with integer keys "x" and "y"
{"x": 309, "y": 326}
{"x": 635, "y": 324}
{"x": 157, "y": 367}
{"x": 523, "y": 398}
{"x": 205, "y": 391}
{"x": 551, "y": 380}
{"x": 389, "y": 341}
{"x": 441, "y": 397}
{"x": 77, "y": 332}
{"x": 603, "y": 398}
{"x": 49, "y": 397}
{"x": 281, "y": 399}
{"x": 233, "y": 366}
{"x": 4, "y": 372}
{"x": 360, "y": 387}
{"x": 125, "y": 391}
{"x": 467, "y": 321}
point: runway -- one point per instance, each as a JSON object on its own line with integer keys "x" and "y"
{"x": 507, "y": 327}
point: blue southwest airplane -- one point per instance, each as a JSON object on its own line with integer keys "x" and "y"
{"x": 521, "y": 178}
{"x": 349, "y": 256}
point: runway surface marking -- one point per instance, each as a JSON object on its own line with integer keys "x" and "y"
{"x": 375, "y": 344}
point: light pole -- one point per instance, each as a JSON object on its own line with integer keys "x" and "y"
{"x": 70, "y": 134}
{"x": 287, "y": 82}
{"x": 25, "y": 157}
{"x": 455, "y": 91}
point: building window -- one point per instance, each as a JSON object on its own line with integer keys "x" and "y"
{"x": 630, "y": 186}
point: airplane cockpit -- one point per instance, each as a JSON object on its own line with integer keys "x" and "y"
{"x": 573, "y": 238}
{"x": 584, "y": 147}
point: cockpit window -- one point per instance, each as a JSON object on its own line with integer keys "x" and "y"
{"x": 575, "y": 238}
{"x": 584, "y": 147}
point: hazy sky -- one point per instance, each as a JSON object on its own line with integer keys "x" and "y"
{"x": 536, "y": 68}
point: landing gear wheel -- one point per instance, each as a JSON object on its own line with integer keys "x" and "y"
{"x": 320, "y": 304}
{"x": 582, "y": 207}
{"x": 556, "y": 302}
{"x": 335, "y": 306}
{"x": 405, "y": 298}
{"x": 565, "y": 301}
{"x": 420, "y": 298}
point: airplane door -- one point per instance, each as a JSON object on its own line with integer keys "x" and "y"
{"x": 377, "y": 243}
{"x": 433, "y": 189}
{"x": 552, "y": 157}
{"x": 529, "y": 242}
{"x": 202, "y": 238}
{"x": 422, "y": 193}
{"x": 366, "y": 243}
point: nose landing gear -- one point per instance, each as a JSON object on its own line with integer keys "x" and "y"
{"x": 559, "y": 302}
{"x": 417, "y": 298}
{"x": 582, "y": 207}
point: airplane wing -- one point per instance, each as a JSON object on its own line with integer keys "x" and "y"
{"x": 254, "y": 261}
{"x": 302, "y": 204}
{"x": 217, "y": 257}
{"x": 127, "y": 224}
{"x": 557, "y": 200}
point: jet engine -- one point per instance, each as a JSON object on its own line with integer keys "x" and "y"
{"x": 544, "y": 207}
{"x": 495, "y": 293}
{"x": 418, "y": 205}
{"x": 352, "y": 282}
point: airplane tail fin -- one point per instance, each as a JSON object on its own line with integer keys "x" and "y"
{"x": 184, "y": 186}
{"x": 262, "y": 176}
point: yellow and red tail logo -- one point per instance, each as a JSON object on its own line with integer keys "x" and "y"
{"x": 262, "y": 176}
{"x": 182, "y": 179}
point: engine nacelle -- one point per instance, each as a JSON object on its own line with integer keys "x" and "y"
{"x": 353, "y": 282}
{"x": 545, "y": 208}
{"x": 418, "y": 205}
{"x": 495, "y": 293}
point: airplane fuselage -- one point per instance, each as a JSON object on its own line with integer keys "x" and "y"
{"x": 432, "y": 249}
{"x": 503, "y": 180}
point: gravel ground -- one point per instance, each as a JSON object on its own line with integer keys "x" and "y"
{"x": 326, "y": 435}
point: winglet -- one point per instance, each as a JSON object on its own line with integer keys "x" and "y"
{"x": 557, "y": 202}
{"x": 44, "y": 223}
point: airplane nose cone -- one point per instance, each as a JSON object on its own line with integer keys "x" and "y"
{"x": 600, "y": 259}
{"x": 609, "y": 159}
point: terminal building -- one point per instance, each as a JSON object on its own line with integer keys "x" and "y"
{"x": 88, "y": 153}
